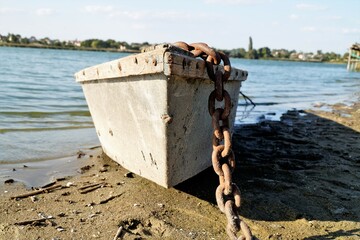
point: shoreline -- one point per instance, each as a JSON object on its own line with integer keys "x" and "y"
{"x": 137, "y": 51}
{"x": 35, "y": 174}
{"x": 67, "y": 48}
{"x": 298, "y": 178}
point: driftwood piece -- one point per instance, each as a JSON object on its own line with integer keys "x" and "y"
{"x": 92, "y": 148}
{"x": 36, "y": 192}
{"x": 109, "y": 199}
{"x": 33, "y": 221}
{"x": 60, "y": 179}
{"x": 118, "y": 233}
{"x": 49, "y": 184}
{"x": 91, "y": 187}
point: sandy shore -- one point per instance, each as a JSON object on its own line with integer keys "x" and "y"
{"x": 299, "y": 180}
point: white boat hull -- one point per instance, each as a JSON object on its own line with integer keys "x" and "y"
{"x": 151, "y": 114}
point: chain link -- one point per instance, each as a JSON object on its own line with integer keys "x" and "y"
{"x": 223, "y": 158}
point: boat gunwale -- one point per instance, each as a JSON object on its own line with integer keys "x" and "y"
{"x": 163, "y": 59}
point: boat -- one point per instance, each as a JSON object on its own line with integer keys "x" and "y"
{"x": 150, "y": 111}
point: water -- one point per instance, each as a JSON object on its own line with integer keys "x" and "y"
{"x": 43, "y": 113}
{"x": 277, "y": 86}
{"x": 44, "y": 116}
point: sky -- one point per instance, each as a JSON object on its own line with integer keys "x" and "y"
{"x": 304, "y": 26}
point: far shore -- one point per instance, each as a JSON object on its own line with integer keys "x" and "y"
{"x": 67, "y": 48}
{"x": 138, "y": 51}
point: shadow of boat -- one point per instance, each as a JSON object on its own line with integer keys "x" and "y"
{"x": 302, "y": 167}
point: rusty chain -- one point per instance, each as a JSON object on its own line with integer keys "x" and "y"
{"x": 223, "y": 158}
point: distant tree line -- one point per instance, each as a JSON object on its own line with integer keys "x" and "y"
{"x": 89, "y": 44}
{"x": 110, "y": 43}
{"x": 113, "y": 45}
{"x": 283, "y": 54}
{"x": 18, "y": 39}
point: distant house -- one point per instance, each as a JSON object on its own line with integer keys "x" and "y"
{"x": 302, "y": 56}
{"x": 76, "y": 43}
{"x": 47, "y": 41}
{"x": 32, "y": 39}
{"x": 276, "y": 53}
{"x": 122, "y": 47}
{"x": 10, "y": 37}
{"x": 293, "y": 56}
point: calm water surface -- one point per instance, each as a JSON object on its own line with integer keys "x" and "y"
{"x": 43, "y": 113}
{"x": 277, "y": 86}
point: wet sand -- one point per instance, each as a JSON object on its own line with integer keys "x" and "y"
{"x": 299, "y": 179}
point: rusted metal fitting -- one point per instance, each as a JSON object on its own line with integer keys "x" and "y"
{"x": 182, "y": 45}
{"x": 215, "y": 141}
{"x": 220, "y": 197}
{"x": 211, "y": 103}
{"x": 247, "y": 235}
{"x": 231, "y": 234}
{"x": 225, "y": 123}
{"x": 223, "y": 158}
{"x": 220, "y": 192}
{"x": 227, "y": 104}
{"x": 230, "y": 208}
{"x": 227, "y": 66}
{"x": 215, "y": 159}
{"x": 227, "y": 107}
{"x": 227, "y": 142}
{"x": 214, "y": 60}
{"x": 210, "y": 68}
{"x": 237, "y": 196}
{"x": 208, "y": 51}
{"x": 219, "y": 86}
{"x": 245, "y": 230}
{"x": 166, "y": 118}
{"x": 232, "y": 217}
{"x": 197, "y": 52}
{"x": 227, "y": 179}
{"x": 154, "y": 61}
{"x": 216, "y": 123}
{"x": 231, "y": 161}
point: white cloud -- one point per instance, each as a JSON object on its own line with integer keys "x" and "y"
{"x": 111, "y": 11}
{"x": 142, "y": 15}
{"x": 99, "y": 9}
{"x": 44, "y": 11}
{"x": 10, "y": 10}
{"x": 236, "y": 2}
{"x": 335, "y": 18}
{"x": 165, "y": 16}
{"x": 308, "y": 29}
{"x": 128, "y": 14}
{"x": 330, "y": 18}
{"x": 351, "y": 30}
{"x": 294, "y": 17}
{"x": 138, "y": 26}
{"x": 176, "y": 16}
{"x": 312, "y": 7}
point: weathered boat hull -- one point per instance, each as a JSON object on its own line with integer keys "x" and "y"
{"x": 150, "y": 112}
